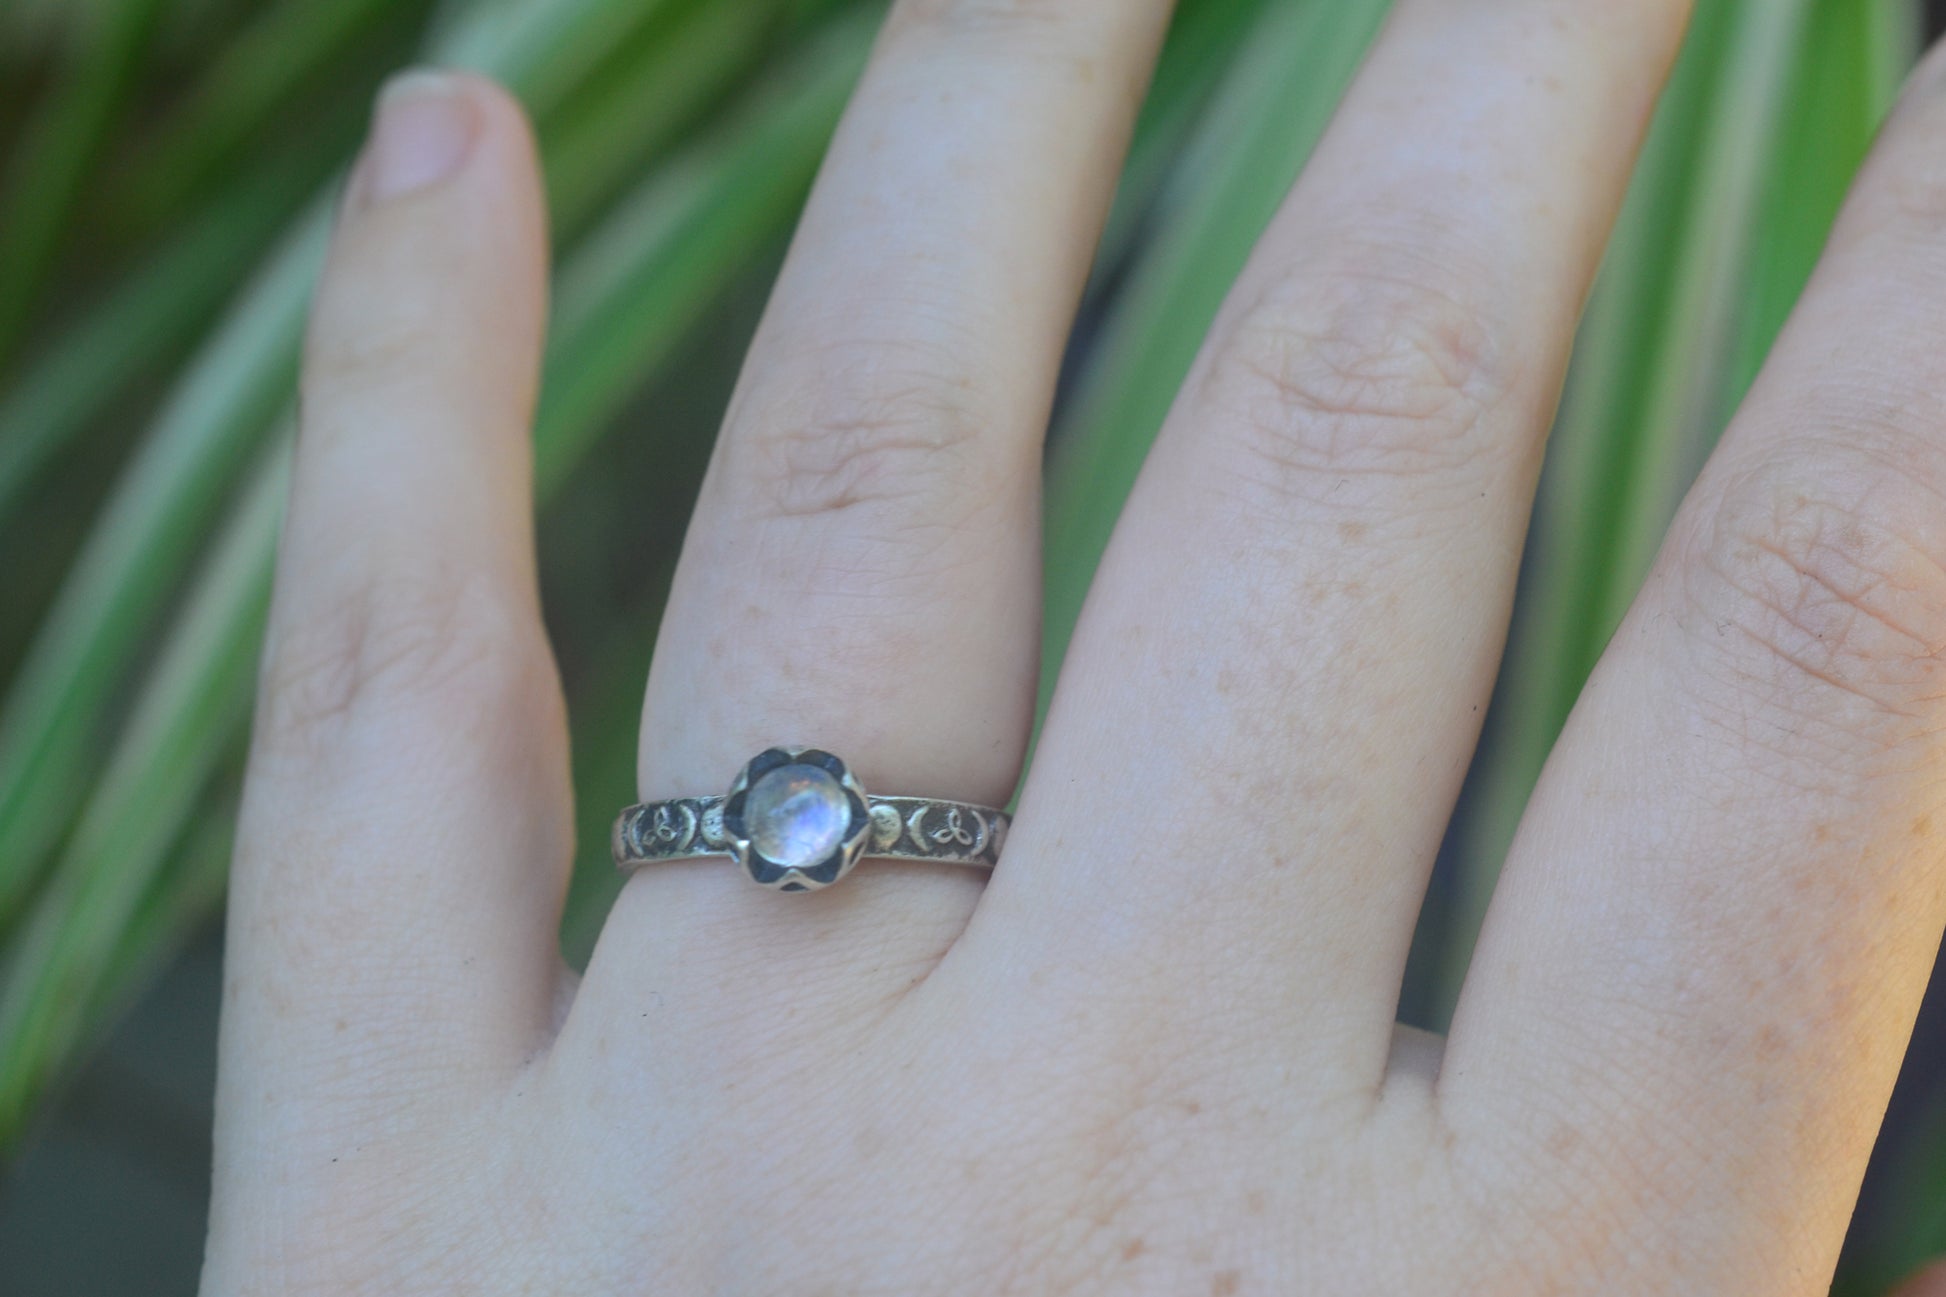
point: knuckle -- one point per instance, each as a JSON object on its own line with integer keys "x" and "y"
{"x": 1822, "y": 580}
{"x": 899, "y": 435}
{"x": 387, "y": 350}
{"x": 461, "y": 650}
{"x": 1356, "y": 374}
{"x": 385, "y": 309}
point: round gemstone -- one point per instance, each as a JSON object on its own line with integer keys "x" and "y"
{"x": 796, "y": 816}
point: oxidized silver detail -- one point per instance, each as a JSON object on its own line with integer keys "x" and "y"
{"x": 713, "y": 827}
{"x": 886, "y": 826}
{"x": 892, "y": 828}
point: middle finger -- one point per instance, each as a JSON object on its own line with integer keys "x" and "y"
{"x": 1259, "y": 735}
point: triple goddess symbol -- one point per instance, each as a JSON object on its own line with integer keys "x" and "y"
{"x": 953, "y": 832}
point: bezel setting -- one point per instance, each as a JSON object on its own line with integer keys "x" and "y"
{"x": 774, "y": 874}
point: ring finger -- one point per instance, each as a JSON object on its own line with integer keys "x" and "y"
{"x": 862, "y": 569}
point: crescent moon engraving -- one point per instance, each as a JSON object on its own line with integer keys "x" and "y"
{"x": 980, "y": 832}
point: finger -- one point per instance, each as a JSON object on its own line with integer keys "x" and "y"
{"x": 862, "y": 570}
{"x": 1930, "y": 1282}
{"x": 1705, "y": 954}
{"x": 405, "y": 831}
{"x": 1265, "y": 714}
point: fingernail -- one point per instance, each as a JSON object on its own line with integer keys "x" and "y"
{"x": 425, "y": 128}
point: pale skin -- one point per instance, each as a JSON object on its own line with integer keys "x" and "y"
{"x": 1144, "y": 1058}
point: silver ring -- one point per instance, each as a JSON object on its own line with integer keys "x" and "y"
{"x": 797, "y": 820}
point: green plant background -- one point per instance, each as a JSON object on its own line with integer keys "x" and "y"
{"x": 166, "y": 171}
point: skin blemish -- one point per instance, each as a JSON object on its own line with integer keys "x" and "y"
{"x": 1352, "y": 532}
{"x": 1255, "y": 1201}
{"x": 1133, "y": 1248}
{"x": 1922, "y": 826}
{"x": 1226, "y": 1283}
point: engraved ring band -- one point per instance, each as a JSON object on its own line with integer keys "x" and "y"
{"x": 797, "y": 820}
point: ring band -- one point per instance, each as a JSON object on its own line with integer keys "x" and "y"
{"x": 797, "y": 820}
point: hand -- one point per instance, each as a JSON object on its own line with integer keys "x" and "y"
{"x": 1157, "y": 1053}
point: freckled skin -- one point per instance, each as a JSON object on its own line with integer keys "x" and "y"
{"x": 1156, "y": 1054}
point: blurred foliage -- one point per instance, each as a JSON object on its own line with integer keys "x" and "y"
{"x": 167, "y": 178}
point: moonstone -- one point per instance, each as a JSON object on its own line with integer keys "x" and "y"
{"x": 796, "y": 816}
